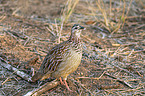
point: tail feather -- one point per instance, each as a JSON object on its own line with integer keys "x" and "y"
{"x": 37, "y": 76}
{"x": 45, "y": 77}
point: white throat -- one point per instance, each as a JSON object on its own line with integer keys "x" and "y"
{"x": 77, "y": 33}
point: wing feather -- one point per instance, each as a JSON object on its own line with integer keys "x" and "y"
{"x": 54, "y": 57}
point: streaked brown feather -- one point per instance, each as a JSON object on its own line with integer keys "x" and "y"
{"x": 61, "y": 53}
{"x": 54, "y": 57}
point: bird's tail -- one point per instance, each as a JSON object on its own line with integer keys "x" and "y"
{"x": 37, "y": 76}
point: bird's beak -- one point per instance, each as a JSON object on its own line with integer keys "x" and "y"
{"x": 81, "y": 27}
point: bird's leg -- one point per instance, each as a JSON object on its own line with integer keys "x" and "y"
{"x": 65, "y": 83}
{"x": 61, "y": 81}
{"x": 67, "y": 86}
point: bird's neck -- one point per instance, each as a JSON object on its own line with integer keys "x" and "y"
{"x": 74, "y": 38}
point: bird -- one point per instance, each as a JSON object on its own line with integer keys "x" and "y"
{"x": 63, "y": 59}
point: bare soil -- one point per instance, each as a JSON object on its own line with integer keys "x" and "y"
{"x": 24, "y": 36}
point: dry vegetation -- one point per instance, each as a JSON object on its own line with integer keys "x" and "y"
{"x": 113, "y": 60}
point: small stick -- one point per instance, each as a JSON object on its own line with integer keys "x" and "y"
{"x": 36, "y": 92}
{"x": 23, "y": 75}
{"x": 5, "y": 81}
{"x": 47, "y": 86}
{"x": 94, "y": 78}
{"x": 139, "y": 74}
{"x": 82, "y": 85}
{"x": 16, "y": 34}
{"x": 51, "y": 31}
{"x": 124, "y": 82}
{"x": 124, "y": 70}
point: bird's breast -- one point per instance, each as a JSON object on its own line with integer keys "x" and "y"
{"x": 69, "y": 64}
{"x": 72, "y": 59}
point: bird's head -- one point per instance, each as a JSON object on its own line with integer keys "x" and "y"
{"x": 76, "y": 30}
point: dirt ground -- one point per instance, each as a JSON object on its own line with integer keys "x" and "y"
{"x": 25, "y": 36}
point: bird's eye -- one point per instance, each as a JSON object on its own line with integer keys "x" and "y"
{"x": 75, "y": 28}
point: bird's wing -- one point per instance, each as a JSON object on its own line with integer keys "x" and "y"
{"x": 54, "y": 57}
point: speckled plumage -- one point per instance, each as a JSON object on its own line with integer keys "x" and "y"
{"x": 63, "y": 59}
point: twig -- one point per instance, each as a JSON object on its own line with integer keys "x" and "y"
{"x": 51, "y": 31}
{"x": 15, "y": 70}
{"x": 82, "y": 85}
{"x": 93, "y": 77}
{"x": 5, "y": 81}
{"x": 124, "y": 82}
{"x": 26, "y": 41}
{"x": 139, "y": 74}
{"x": 15, "y": 13}
{"x": 8, "y": 79}
{"x": 43, "y": 88}
{"x": 123, "y": 70}
{"x": 23, "y": 75}
{"x": 16, "y": 34}
{"x": 2, "y": 17}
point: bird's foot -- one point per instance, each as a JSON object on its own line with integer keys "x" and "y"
{"x": 67, "y": 86}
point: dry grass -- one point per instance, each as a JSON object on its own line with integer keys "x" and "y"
{"x": 66, "y": 13}
{"x": 68, "y": 10}
{"x": 119, "y": 52}
{"x": 119, "y": 12}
